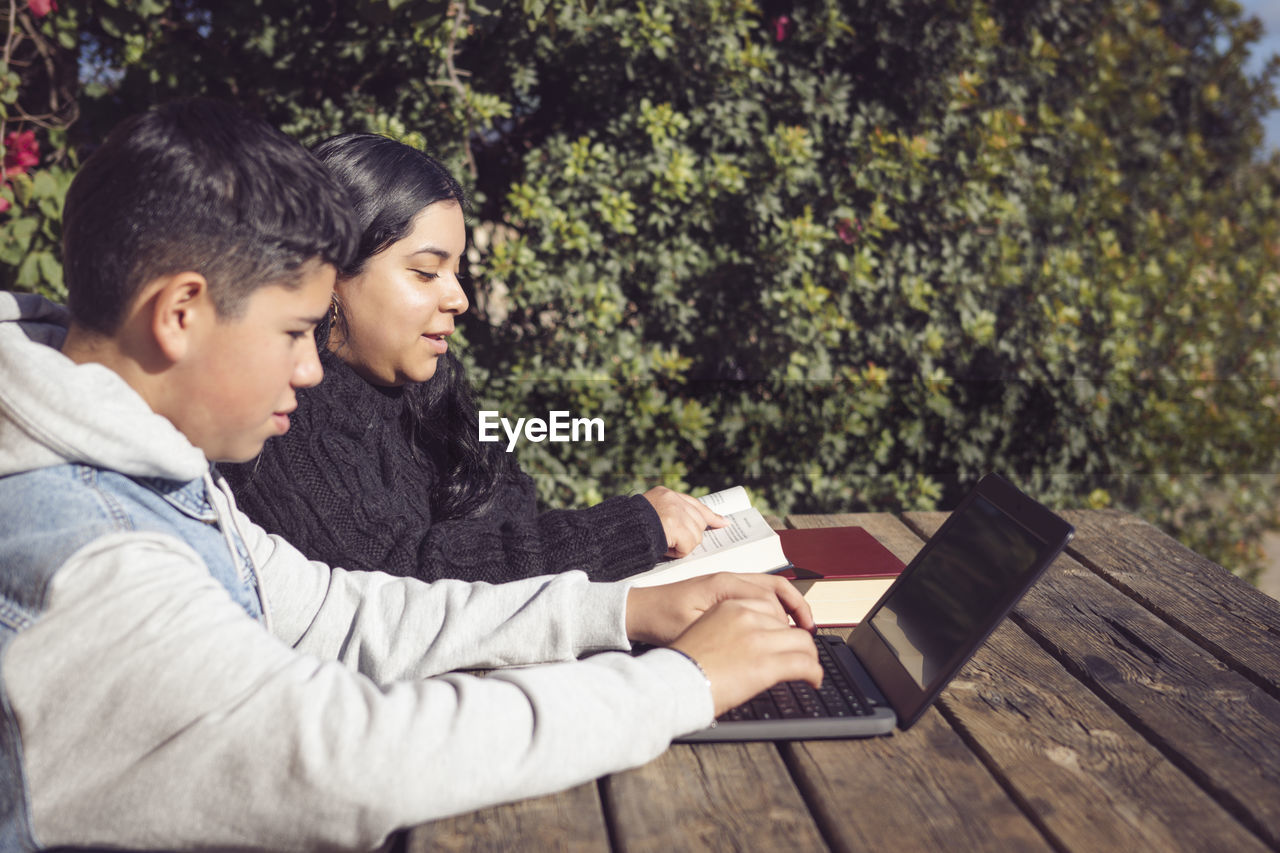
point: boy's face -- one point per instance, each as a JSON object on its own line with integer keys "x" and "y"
{"x": 239, "y": 383}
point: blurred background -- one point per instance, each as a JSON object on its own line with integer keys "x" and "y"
{"x": 851, "y": 255}
{"x": 1268, "y": 13}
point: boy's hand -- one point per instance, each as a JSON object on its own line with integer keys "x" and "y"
{"x": 659, "y": 614}
{"x": 744, "y": 648}
{"x": 683, "y": 519}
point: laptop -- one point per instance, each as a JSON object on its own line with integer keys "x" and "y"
{"x": 941, "y": 609}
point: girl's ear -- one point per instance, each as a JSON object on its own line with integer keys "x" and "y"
{"x": 180, "y": 308}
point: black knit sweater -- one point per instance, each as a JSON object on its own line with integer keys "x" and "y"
{"x": 346, "y": 486}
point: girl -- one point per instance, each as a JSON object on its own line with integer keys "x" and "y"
{"x": 382, "y": 467}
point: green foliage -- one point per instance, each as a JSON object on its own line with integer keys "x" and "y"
{"x": 851, "y": 254}
{"x": 36, "y": 105}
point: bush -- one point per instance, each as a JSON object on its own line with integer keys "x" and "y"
{"x": 852, "y": 255}
{"x": 37, "y": 104}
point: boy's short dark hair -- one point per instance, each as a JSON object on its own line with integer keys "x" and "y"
{"x": 198, "y": 186}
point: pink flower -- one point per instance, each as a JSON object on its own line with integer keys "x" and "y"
{"x": 781, "y": 27}
{"x": 40, "y": 8}
{"x": 848, "y": 230}
{"x": 21, "y": 151}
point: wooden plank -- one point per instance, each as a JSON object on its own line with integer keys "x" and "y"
{"x": 1213, "y": 724}
{"x": 1071, "y": 762}
{"x": 717, "y": 796}
{"x": 1074, "y": 762}
{"x": 916, "y": 790}
{"x": 570, "y": 821}
{"x": 1218, "y": 610}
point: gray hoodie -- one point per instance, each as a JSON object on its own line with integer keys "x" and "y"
{"x": 143, "y": 705}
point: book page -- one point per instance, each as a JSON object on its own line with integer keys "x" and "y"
{"x": 744, "y": 526}
{"x": 748, "y": 544}
{"x": 728, "y": 501}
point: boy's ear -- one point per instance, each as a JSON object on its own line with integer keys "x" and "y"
{"x": 180, "y": 304}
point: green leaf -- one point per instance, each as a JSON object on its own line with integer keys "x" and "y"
{"x": 23, "y": 188}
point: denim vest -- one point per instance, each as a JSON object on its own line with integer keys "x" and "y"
{"x": 45, "y": 517}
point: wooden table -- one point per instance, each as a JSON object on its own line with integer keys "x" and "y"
{"x": 1132, "y": 702}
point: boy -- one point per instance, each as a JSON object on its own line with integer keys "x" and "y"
{"x": 174, "y": 677}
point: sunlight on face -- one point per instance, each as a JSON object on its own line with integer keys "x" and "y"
{"x": 400, "y": 310}
{"x": 239, "y": 390}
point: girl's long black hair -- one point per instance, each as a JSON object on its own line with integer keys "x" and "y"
{"x": 389, "y": 184}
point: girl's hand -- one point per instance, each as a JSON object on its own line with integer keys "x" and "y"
{"x": 683, "y": 518}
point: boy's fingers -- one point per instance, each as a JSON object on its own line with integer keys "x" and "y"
{"x": 744, "y": 650}
{"x": 768, "y": 613}
{"x": 793, "y": 602}
{"x": 795, "y": 657}
{"x": 804, "y": 666}
{"x": 782, "y": 593}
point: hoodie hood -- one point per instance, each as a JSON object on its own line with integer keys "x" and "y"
{"x": 54, "y": 411}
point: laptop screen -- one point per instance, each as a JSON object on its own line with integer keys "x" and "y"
{"x": 945, "y": 606}
{"x": 955, "y": 592}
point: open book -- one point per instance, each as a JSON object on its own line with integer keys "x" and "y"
{"x": 748, "y": 544}
{"x": 842, "y": 571}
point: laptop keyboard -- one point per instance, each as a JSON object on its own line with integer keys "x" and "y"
{"x": 838, "y": 697}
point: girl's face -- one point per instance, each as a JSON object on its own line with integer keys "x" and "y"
{"x": 399, "y": 311}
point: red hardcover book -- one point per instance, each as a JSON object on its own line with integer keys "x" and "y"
{"x": 842, "y": 571}
{"x": 837, "y": 552}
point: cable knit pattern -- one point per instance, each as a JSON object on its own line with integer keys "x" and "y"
{"x": 347, "y": 487}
